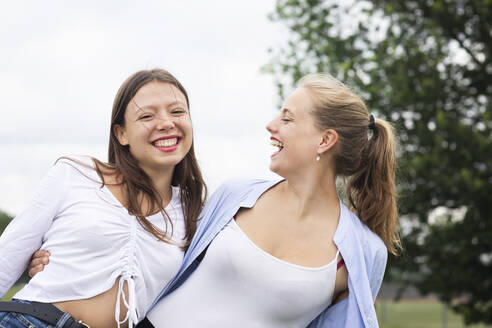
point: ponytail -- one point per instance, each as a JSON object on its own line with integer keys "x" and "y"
{"x": 371, "y": 189}
{"x": 368, "y": 162}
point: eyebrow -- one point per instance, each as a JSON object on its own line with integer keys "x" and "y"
{"x": 177, "y": 102}
{"x": 287, "y": 111}
{"x": 172, "y": 104}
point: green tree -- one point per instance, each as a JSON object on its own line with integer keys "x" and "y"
{"x": 427, "y": 67}
{"x": 4, "y": 220}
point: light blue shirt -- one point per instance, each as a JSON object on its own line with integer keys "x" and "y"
{"x": 363, "y": 251}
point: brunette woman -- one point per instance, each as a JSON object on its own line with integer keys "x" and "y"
{"x": 116, "y": 231}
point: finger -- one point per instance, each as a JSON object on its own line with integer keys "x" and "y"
{"x": 36, "y": 269}
{"x": 41, "y": 253}
{"x": 39, "y": 260}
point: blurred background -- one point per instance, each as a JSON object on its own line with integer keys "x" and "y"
{"x": 426, "y": 66}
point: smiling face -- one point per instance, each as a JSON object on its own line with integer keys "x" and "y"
{"x": 157, "y": 126}
{"x": 294, "y": 134}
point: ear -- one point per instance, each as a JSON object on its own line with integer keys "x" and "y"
{"x": 120, "y": 133}
{"x": 328, "y": 140}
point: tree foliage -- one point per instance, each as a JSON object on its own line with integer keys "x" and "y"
{"x": 4, "y": 221}
{"x": 427, "y": 67}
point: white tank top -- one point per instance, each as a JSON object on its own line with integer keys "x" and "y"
{"x": 240, "y": 285}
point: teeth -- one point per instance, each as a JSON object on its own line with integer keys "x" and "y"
{"x": 166, "y": 142}
{"x": 276, "y": 143}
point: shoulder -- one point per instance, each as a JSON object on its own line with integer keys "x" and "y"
{"x": 75, "y": 162}
{"x": 75, "y": 167}
{"x": 372, "y": 245}
{"x": 372, "y": 240}
{"x": 375, "y": 256}
{"x": 241, "y": 185}
{"x": 238, "y": 191}
{"x": 368, "y": 236}
{"x": 368, "y": 252}
{"x": 238, "y": 186}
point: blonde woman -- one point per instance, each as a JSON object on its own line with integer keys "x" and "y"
{"x": 273, "y": 248}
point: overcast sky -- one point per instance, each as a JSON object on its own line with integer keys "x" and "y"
{"x": 63, "y": 61}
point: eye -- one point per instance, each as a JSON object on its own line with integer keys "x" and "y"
{"x": 286, "y": 120}
{"x": 145, "y": 117}
{"x": 178, "y": 111}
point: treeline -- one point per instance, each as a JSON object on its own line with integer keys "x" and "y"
{"x": 4, "y": 220}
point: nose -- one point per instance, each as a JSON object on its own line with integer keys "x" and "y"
{"x": 164, "y": 122}
{"x": 272, "y": 126}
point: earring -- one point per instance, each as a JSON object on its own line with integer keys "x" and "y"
{"x": 317, "y": 158}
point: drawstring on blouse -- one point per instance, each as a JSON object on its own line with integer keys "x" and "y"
{"x": 131, "y": 303}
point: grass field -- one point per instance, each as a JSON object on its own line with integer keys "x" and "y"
{"x": 11, "y": 292}
{"x": 418, "y": 314}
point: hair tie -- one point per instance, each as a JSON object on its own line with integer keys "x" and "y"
{"x": 372, "y": 124}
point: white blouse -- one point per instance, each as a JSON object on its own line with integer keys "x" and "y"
{"x": 92, "y": 240}
{"x": 238, "y": 284}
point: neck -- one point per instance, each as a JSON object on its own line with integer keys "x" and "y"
{"x": 313, "y": 192}
{"x": 161, "y": 180}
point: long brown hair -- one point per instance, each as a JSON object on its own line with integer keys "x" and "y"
{"x": 186, "y": 175}
{"x": 365, "y": 154}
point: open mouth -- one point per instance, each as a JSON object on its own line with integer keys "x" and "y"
{"x": 167, "y": 144}
{"x": 277, "y": 144}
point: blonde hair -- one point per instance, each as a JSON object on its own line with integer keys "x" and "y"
{"x": 367, "y": 161}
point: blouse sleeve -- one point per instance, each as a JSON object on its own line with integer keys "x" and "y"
{"x": 24, "y": 234}
{"x": 379, "y": 267}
